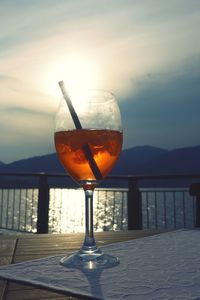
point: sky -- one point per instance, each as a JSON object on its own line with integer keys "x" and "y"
{"x": 147, "y": 52}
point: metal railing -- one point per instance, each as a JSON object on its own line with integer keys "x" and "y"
{"x": 169, "y": 208}
{"x": 39, "y": 208}
{"x": 18, "y": 209}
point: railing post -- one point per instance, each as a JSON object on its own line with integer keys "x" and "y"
{"x": 134, "y": 205}
{"x": 43, "y": 204}
{"x": 195, "y": 191}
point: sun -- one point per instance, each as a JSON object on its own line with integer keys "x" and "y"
{"x": 78, "y": 74}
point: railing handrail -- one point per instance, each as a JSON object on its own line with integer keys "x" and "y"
{"x": 125, "y": 177}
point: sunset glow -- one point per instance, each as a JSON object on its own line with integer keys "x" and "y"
{"x": 77, "y": 73}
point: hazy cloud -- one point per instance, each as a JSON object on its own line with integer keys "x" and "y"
{"x": 146, "y": 52}
{"x": 165, "y": 108}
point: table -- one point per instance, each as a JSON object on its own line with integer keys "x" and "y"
{"x": 19, "y": 248}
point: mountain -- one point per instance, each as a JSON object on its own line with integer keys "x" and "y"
{"x": 140, "y": 160}
{"x": 134, "y": 160}
{"x": 46, "y": 163}
{"x": 177, "y": 161}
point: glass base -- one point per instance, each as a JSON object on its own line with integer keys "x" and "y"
{"x": 95, "y": 260}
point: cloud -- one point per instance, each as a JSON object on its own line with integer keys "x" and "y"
{"x": 164, "y": 109}
{"x": 25, "y": 133}
{"x": 144, "y": 51}
{"x": 22, "y": 94}
{"x": 125, "y": 38}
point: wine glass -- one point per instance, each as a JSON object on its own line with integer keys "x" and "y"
{"x": 88, "y": 141}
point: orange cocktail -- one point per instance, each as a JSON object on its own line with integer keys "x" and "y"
{"x": 105, "y": 146}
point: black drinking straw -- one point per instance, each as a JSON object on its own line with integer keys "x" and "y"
{"x": 77, "y": 123}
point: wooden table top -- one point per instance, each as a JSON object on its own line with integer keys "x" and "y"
{"x": 18, "y": 248}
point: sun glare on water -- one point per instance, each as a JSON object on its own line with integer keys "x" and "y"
{"x": 67, "y": 210}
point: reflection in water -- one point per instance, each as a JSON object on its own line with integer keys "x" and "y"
{"x": 66, "y": 214}
{"x": 67, "y": 207}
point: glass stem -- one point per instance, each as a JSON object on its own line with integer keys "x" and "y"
{"x": 89, "y": 242}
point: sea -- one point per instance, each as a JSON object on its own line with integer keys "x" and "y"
{"x": 162, "y": 208}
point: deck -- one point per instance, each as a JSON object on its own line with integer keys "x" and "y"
{"x": 18, "y": 248}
